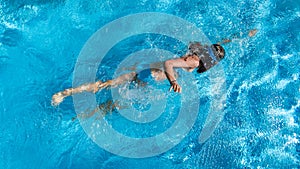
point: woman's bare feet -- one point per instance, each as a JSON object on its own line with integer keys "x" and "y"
{"x": 57, "y": 99}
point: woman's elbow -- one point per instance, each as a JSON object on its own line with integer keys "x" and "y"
{"x": 168, "y": 64}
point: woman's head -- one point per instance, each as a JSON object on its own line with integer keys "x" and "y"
{"x": 218, "y": 50}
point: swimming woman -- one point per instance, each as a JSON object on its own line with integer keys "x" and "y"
{"x": 200, "y": 57}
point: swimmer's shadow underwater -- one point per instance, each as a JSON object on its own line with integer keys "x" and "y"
{"x": 100, "y": 111}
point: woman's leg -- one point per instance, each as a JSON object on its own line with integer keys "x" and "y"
{"x": 101, "y": 110}
{"x": 129, "y": 77}
{"x": 57, "y": 98}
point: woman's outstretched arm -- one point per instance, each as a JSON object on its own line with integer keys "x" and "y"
{"x": 251, "y": 33}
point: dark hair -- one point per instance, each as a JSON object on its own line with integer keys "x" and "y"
{"x": 218, "y": 50}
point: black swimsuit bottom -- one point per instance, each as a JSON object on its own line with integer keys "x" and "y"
{"x": 201, "y": 67}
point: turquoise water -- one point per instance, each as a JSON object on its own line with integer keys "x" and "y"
{"x": 40, "y": 42}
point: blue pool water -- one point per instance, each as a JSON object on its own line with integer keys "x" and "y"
{"x": 40, "y": 42}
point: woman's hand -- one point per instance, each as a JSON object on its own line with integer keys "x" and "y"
{"x": 175, "y": 86}
{"x": 252, "y": 32}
